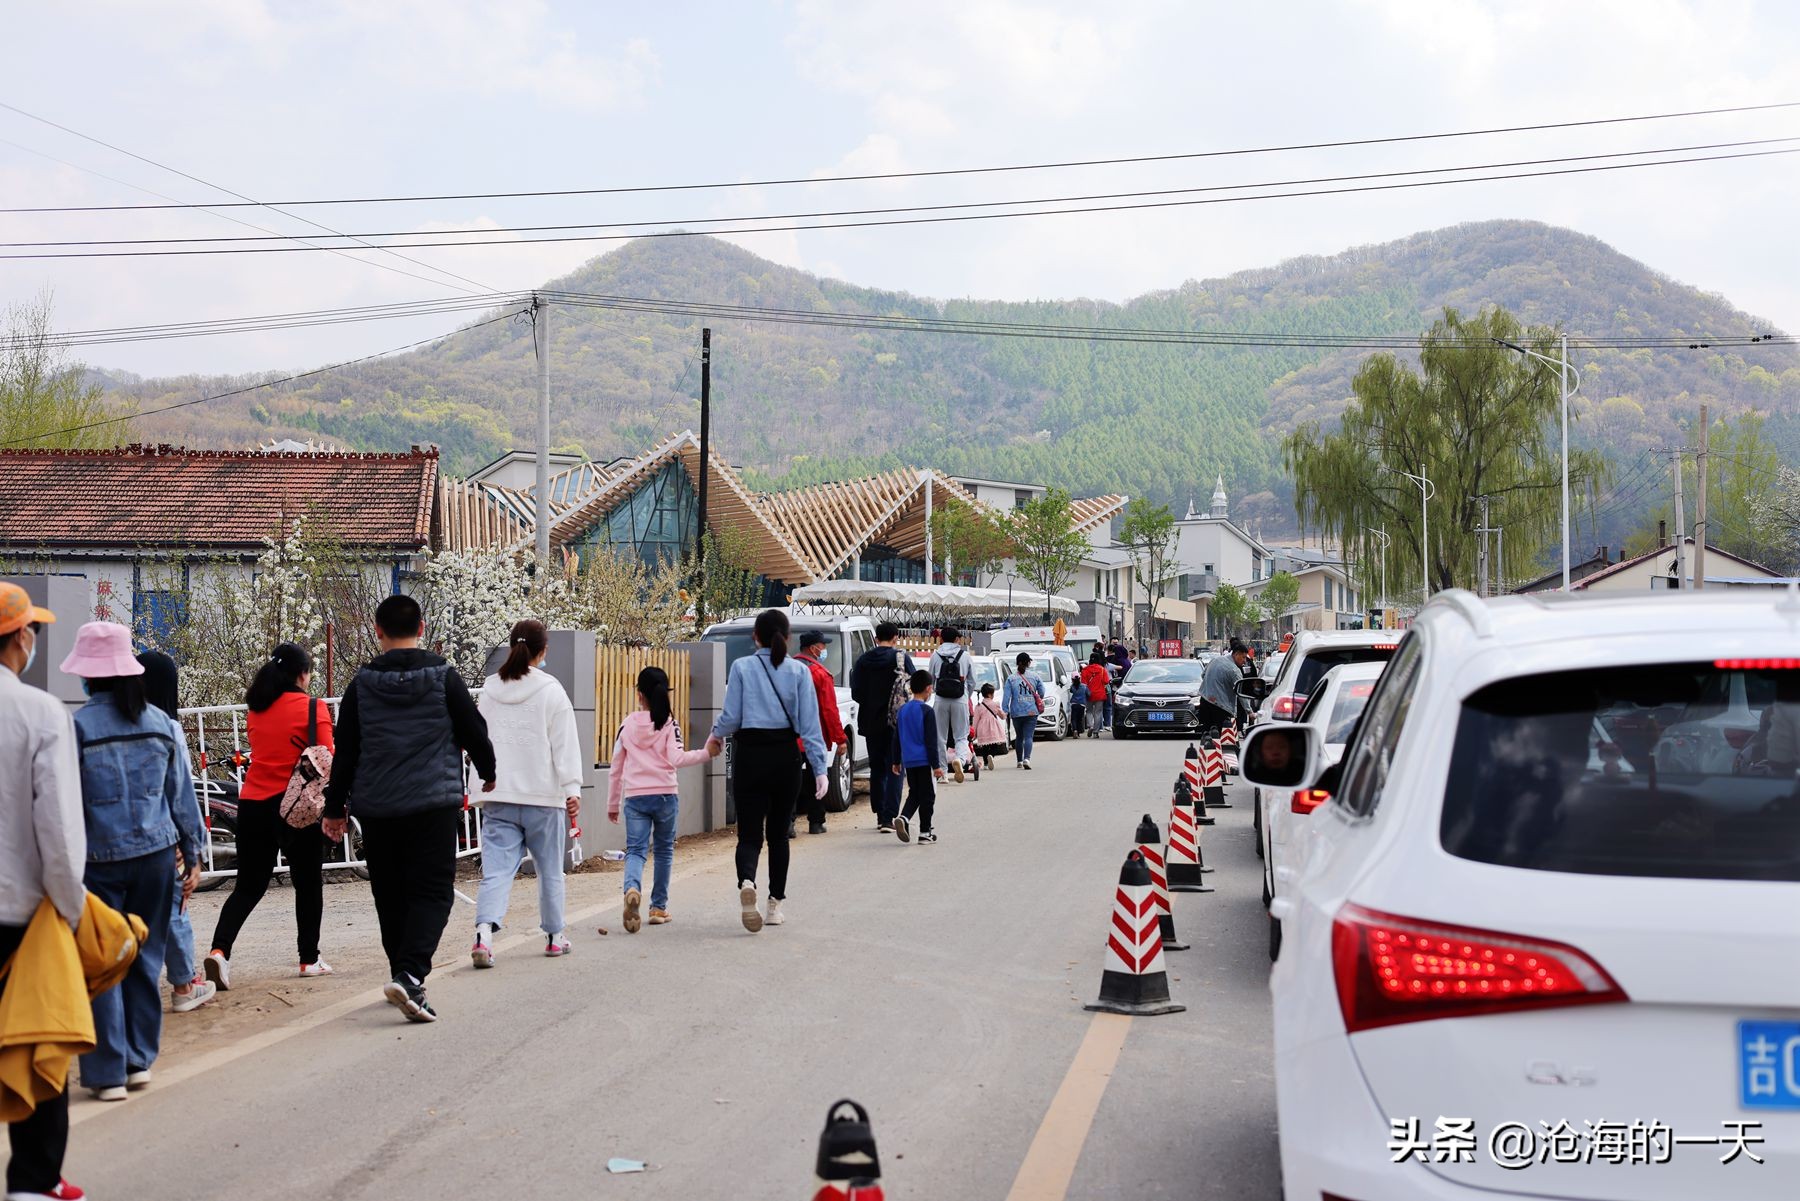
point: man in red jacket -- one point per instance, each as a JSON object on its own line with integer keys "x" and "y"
{"x": 813, "y": 645}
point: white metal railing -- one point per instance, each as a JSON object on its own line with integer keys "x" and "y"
{"x": 220, "y": 749}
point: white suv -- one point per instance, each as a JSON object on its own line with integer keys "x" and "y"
{"x": 1525, "y": 954}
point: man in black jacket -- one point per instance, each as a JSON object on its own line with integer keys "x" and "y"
{"x": 406, "y": 720}
{"x": 871, "y": 687}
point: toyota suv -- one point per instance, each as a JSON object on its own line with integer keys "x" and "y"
{"x": 1532, "y": 949}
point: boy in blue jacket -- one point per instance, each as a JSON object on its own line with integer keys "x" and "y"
{"x": 918, "y": 749}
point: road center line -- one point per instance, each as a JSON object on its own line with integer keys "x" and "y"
{"x": 1049, "y": 1165}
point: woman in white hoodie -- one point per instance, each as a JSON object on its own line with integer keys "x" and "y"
{"x": 537, "y": 788}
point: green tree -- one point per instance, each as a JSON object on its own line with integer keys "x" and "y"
{"x": 1476, "y": 419}
{"x": 45, "y": 404}
{"x": 1742, "y": 470}
{"x": 1149, "y": 531}
{"x": 1276, "y": 598}
{"x": 1046, "y": 546}
{"x": 970, "y": 539}
{"x": 1231, "y": 610}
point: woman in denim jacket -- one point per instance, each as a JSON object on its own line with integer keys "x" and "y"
{"x": 137, "y": 793}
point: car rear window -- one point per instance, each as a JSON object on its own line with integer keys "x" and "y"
{"x": 1352, "y": 699}
{"x": 1317, "y": 663}
{"x": 1676, "y": 770}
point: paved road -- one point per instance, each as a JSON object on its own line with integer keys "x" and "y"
{"x": 940, "y": 985}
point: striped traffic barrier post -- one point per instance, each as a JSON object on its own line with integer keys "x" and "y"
{"x": 1190, "y": 768}
{"x": 1185, "y": 794}
{"x": 1134, "y": 981}
{"x": 1150, "y": 846}
{"x": 849, "y": 1168}
{"x": 1181, "y": 861}
{"x": 1228, "y": 746}
{"x": 1212, "y": 768}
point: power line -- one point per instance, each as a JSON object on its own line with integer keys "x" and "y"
{"x": 916, "y": 208}
{"x": 937, "y": 173}
{"x": 269, "y": 321}
{"x": 287, "y": 379}
{"x": 936, "y": 220}
{"x": 248, "y": 201}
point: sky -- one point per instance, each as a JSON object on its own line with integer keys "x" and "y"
{"x": 356, "y": 98}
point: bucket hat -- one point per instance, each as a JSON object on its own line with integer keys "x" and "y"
{"x": 102, "y": 649}
{"x": 17, "y": 611}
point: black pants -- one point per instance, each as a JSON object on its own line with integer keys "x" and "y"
{"x": 884, "y": 785}
{"x": 921, "y": 797}
{"x": 261, "y": 832}
{"x": 804, "y": 798}
{"x": 38, "y": 1142}
{"x": 1211, "y": 717}
{"x": 764, "y": 767}
{"x": 412, "y": 872}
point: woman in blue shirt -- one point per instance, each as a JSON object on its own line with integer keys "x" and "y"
{"x": 771, "y": 711}
{"x": 1023, "y": 701}
{"x": 137, "y": 793}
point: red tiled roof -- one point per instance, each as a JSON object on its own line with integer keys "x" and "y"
{"x": 171, "y": 496}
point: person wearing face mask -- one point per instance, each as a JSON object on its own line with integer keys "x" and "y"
{"x": 43, "y": 853}
{"x": 812, "y": 657}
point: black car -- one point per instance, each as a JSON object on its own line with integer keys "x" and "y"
{"x": 1158, "y": 694}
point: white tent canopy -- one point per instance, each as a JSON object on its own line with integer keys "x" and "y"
{"x": 929, "y": 600}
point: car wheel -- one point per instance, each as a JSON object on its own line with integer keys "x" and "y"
{"x": 1062, "y": 725}
{"x": 1120, "y": 733}
{"x": 838, "y": 783}
{"x": 1274, "y": 938}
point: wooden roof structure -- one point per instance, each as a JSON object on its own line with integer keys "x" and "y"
{"x": 796, "y": 536}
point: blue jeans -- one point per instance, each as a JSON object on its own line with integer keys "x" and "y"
{"x": 128, "y": 1016}
{"x": 507, "y": 832}
{"x": 178, "y": 957}
{"x": 884, "y": 785}
{"x": 1105, "y": 714}
{"x": 1024, "y": 734}
{"x": 646, "y": 816}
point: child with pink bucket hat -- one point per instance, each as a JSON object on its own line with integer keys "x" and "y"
{"x": 137, "y": 793}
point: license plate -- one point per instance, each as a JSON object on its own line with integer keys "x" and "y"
{"x": 1159, "y": 715}
{"x": 1769, "y": 1065}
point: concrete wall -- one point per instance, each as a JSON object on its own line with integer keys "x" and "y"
{"x": 68, "y": 598}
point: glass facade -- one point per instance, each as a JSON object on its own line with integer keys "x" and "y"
{"x": 656, "y": 522}
{"x": 880, "y": 563}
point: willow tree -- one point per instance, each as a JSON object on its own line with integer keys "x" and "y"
{"x": 1475, "y": 419}
{"x": 46, "y": 399}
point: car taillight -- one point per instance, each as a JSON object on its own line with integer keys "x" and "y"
{"x": 1287, "y": 706}
{"x": 1397, "y": 969}
{"x": 1308, "y": 799}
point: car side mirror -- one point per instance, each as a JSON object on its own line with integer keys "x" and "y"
{"x": 1253, "y": 688}
{"x": 1284, "y": 756}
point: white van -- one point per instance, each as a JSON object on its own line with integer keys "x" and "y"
{"x": 1081, "y": 640}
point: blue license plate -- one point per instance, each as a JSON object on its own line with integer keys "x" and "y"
{"x": 1159, "y": 715}
{"x": 1769, "y": 1065}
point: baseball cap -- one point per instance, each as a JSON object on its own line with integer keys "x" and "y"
{"x": 17, "y": 611}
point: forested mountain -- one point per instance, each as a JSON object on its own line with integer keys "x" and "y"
{"x": 801, "y": 403}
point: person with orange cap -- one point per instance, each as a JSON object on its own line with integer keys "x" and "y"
{"x": 43, "y": 851}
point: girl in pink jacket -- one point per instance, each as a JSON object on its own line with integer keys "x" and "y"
{"x": 641, "y": 782}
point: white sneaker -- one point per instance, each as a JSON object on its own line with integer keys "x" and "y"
{"x": 556, "y": 944}
{"x": 317, "y": 967}
{"x": 218, "y": 970}
{"x": 775, "y": 917}
{"x": 196, "y": 996}
{"x": 753, "y": 921}
{"x": 112, "y": 1092}
{"x": 137, "y": 1080}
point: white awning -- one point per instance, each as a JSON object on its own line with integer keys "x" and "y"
{"x": 929, "y": 599}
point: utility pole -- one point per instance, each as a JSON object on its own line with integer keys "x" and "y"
{"x": 925, "y": 478}
{"x": 1680, "y": 522}
{"x": 1562, "y": 373}
{"x": 1383, "y": 535}
{"x": 540, "y": 328}
{"x": 705, "y": 458}
{"x": 1481, "y": 555}
{"x": 1700, "y": 505}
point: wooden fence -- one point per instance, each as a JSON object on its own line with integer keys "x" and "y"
{"x": 615, "y": 691}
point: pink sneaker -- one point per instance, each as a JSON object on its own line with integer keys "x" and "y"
{"x": 557, "y": 945}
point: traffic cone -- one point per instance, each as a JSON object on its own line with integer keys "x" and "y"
{"x": 1228, "y": 746}
{"x": 1212, "y": 768}
{"x": 1149, "y": 845}
{"x": 1134, "y": 981}
{"x": 1190, "y": 768}
{"x": 849, "y": 1168}
{"x": 1181, "y": 862}
{"x": 1185, "y": 794}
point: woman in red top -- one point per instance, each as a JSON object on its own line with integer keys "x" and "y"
{"x": 276, "y": 724}
{"x": 1097, "y": 679}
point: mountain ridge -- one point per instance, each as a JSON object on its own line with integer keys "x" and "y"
{"x": 802, "y": 403}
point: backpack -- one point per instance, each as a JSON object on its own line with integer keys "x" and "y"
{"x": 949, "y": 681}
{"x": 900, "y": 693}
{"x": 303, "y": 804}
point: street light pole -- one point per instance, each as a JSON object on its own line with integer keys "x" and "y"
{"x": 1383, "y": 535}
{"x": 1427, "y": 490}
{"x": 1564, "y": 369}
